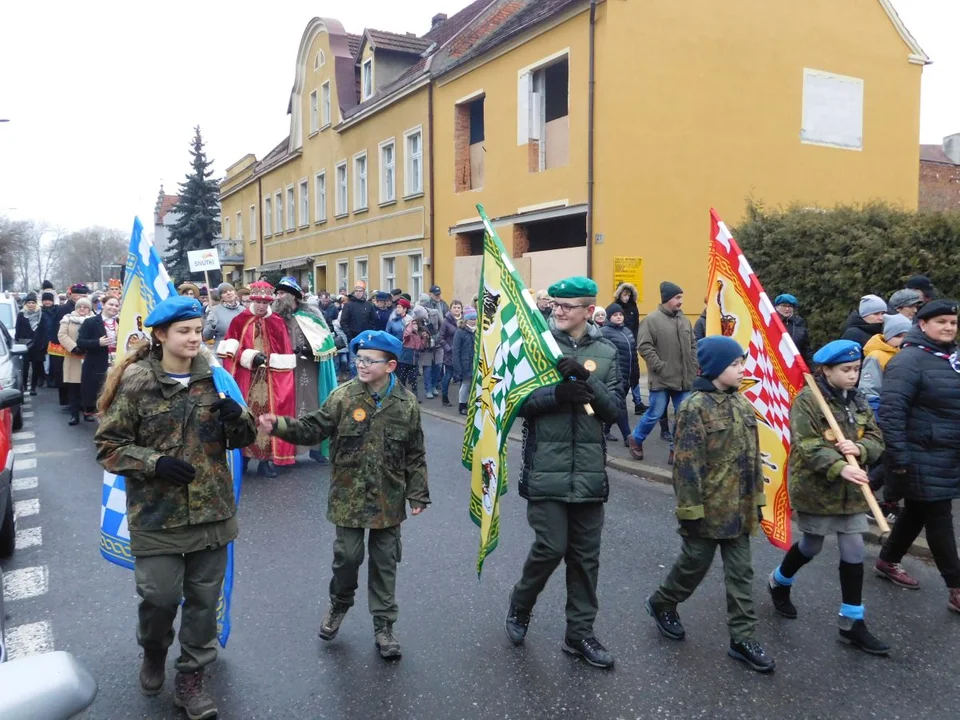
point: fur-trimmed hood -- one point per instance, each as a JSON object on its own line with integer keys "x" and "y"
{"x": 625, "y": 286}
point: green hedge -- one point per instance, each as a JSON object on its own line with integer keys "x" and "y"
{"x": 830, "y": 258}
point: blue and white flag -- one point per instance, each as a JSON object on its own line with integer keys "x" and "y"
{"x": 146, "y": 284}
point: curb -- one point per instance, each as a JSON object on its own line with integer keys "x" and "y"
{"x": 652, "y": 473}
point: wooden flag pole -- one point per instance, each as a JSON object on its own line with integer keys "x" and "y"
{"x": 851, "y": 460}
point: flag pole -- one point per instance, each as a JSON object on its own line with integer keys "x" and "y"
{"x": 851, "y": 460}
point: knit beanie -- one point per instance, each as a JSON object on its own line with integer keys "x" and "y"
{"x": 715, "y": 353}
{"x": 404, "y": 303}
{"x": 31, "y": 297}
{"x": 469, "y": 313}
{"x": 225, "y": 287}
{"x": 905, "y": 298}
{"x": 614, "y": 308}
{"x": 870, "y": 304}
{"x": 894, "y": 325}
{"x": 47, "y": 285}
{"x": 669, "y": 290}
{"x": 48, "y": 296}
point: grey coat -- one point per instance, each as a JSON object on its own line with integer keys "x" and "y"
{"x": 218, "y": 322}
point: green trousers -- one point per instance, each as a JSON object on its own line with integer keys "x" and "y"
{"x": 162, "y": 580}
{"x": 568, "y": 532}
{"x": 691, "y": 567}
{"x": 385, "y": 553}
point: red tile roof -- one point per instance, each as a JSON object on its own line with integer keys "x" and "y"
{"x": 935, "y": 153}
{"x": 398, "y": 43}
{"x": 166, "y": 203}
{"x": 353, "y": 42}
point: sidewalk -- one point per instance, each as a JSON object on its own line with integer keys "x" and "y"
{"x": 654, "y": 468}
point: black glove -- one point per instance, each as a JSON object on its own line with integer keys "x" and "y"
{"x": 574, "y": 393}
{"x": 570, "y": 368}
{"x": 230, "y": 410}
{"x": 691, "y": 527}
{"x": 759, "y": 514}
{"x": 175, "y": 470}
{"x": 258, "y": 360}
{"x": 304, "y": 351}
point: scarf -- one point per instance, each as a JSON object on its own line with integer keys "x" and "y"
{"x": 952, "y": 358}
{"x": 234, "y": 306}
{"x": 33, "y": 318}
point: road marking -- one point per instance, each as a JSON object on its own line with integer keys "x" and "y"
{"x": 24, "y": 449}
{"x": 24, "y": 435}
{"x": 25, "y": 583}
{"x": 25, "y": 464}
{"x": 27, "y": 413}
{"x": 29, "y": 537}
{"x": 29, "y": 639}
{"x": 25, "y": 483}
{"x": 25, "y": 508}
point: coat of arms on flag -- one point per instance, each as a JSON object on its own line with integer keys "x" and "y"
{"x": 738, "y": 307}
{"x": 515, "y": 354}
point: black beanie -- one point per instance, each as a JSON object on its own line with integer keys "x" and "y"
{"x": 31, "y": 297}
{"x": 47, "y": 285}
{"x": 47, "y": 296}
{"x": 669, "y": 290}
{"x": 613, "y": 308}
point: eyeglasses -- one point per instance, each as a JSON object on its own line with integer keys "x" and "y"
{"x": 367, "y": 362}
{"x": 566, "y": 307}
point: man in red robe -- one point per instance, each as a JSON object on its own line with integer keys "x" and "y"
{"x": 257, "y": 352}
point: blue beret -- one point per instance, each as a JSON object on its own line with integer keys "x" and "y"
{"x": 376, "y": 340}
{"x": 715, "y": 354}
{"x": 174, "y": 309}
{"x": 786, "y": 299}
{"x": 838, "y": 352}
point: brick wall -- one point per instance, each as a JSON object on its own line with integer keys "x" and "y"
{"x": 939, "y": 186}
{"x": 461, "y": 141}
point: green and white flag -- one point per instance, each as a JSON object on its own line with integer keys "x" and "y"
{"x": 515, "y": 354}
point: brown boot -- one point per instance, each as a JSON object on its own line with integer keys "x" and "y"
{"x": 152, "y": 672}
{"x": 636, "y": 450}
{"x": 954, "y": 602}
{"x": 190, "y": 696}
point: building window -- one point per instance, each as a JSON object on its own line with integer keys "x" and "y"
{"x": 267, "y": 217}
{"x": 341, "y": 199}
{"x": 416, "y": 275}
{"x": 291, "y": 209}
{"x": 240, "y": 226}
{"x": 226, "y": 228}
{"x": 253, "y": 224}
{"x": 543, "y": 122}
{"x": 388, "y": 175}
{"x": 304, "y": 202}
{"x": 343, "y": 275}
{"x": 361, "y": 271}
{"x": 278, "y": 214}
{"x": 832, "y": 110}
{"x": 389, "y": 273}
{"x": 367, "y": 78}
{"x": 468, "y": 145}
{"x": 325, "y": 103}
{"x": 413, "y": 167}
{"x": 320, "y": 189}
{"x": 360, "y": 182}
{"x": 314, "y": 112}
{"x": 320, "y": 61}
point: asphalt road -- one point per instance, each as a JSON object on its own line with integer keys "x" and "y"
{"x": 457, "y": 663}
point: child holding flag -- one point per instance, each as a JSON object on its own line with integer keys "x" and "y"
{"x": 718, "y": 480}
{"x": 823, "y": 486}
{"x": 379, "y": 464}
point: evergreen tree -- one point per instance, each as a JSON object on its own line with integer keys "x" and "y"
{"x": 199, "y": 210}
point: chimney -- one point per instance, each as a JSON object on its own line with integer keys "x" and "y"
{"x": 438, "y": 20}
{"x": 951, "y": 147}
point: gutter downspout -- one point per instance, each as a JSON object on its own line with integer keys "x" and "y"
{"x": 260, "y": 214}
{"x": 433, "y": 261}
{"x": 590, "y": 115}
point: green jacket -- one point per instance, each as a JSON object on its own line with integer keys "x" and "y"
{"x": 815, "y": 463}
{"x": 154, "y": 415}
{"x": 668, "y": 347}
{"x": 717, "y": 472}
{"x": 379, "y": 461}
{"x": 564, "y": 453}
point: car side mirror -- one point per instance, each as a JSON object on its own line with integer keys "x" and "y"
{"x": 19, "y": 349}
{"x": 10, "y": 397}
{"x": 48, "y": 685}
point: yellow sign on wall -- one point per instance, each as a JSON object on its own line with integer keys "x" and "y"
{"x": 628, "y": 270}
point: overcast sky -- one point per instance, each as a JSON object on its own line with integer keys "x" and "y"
{"x": 102, "y": 96}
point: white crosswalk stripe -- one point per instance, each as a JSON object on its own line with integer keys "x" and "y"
{"x": 23, "y": 435}
{"x": 27, "y": 413}
{"x": 29, "y": 639}
{"x": 29, "y": 537}
{"x": 25, "y": 583}
{"x": 25, "y": 508}
{"x": 24, "y": 483}
{"x": 24, "y": 449}
{"x": 25, "y": 463}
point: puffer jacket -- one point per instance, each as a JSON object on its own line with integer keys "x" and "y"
{"x": 464, "y": 345}
{"x": 564, "y": 453}
{"x": 395, "y": 325}
{"x": 625, "y": 343}
{"x": 877, "y": 354}
{"x": 859, "y": 330}
{"x": 920, "y": 419}
{"x": 447, "y": 332}
{"x": 631, "y": 313}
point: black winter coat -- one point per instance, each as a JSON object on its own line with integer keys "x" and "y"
{"x": 330, "y": 313}
{"x": 463, "y": 352}
{"x": 797, "y": 327}
{"x": 631, "y": 313}
{"x": 36, "y": 339}
{"x": 626, "y": 344}
{"x": 95, "y": 360}
{"x": 920, "y": 419}
{"x": 700, "y": 326}
{"x": 859, "y": 330}
{"x": 357, "y": 316}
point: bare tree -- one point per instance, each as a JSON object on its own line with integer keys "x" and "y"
{"x": 11, "y": 235}
{"x": 86, "y": 251}
{"x": 48, "y": 250}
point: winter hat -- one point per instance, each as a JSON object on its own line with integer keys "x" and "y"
{"x": 469, "y": 313}
{"x": 715, "y": 353}
{"x": 870, "y": 304}
{"x": 396, "y": 292}
{"x": 935, "y": 308}
{"x": 419, "y": 313}
{"x": 406, "y": 296}
{"x": 48, "y": 296}
{"x": 669, "y": 290}
{"x": 905, "y": 298}
{"x": 225, "y": 287}
{"x": 921, "y": 283}
{"x": 31, "y": 297}
{"x": 614, "y": 308}
{"x": 47, "y": 285}
{"x": 894, "y": 325}
{"x": 424, "y": 298}
{"x": 786, "y": 299}
{"x": 404, "y": 303}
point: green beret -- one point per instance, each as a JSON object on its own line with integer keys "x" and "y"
{"x": 573, "y": 287}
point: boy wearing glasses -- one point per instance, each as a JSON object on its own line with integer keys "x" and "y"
{"x": 379, "y": 465}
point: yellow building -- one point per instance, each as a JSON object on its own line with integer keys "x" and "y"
{"x": 697, "y": 104}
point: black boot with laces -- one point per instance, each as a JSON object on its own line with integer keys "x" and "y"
{"x": 590, "y": 650}
{"x": 517, "y": 623}
{"x": 752, "y": 654}
{"x": 668, "y": 622}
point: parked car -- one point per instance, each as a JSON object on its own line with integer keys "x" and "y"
{"x": 8, "y": 312}
{"x": 52, "y": 686}
{"x": 9, "y": 398}
{"x": 12, "y": 357}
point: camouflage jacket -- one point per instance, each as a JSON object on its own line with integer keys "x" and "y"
{"x": 154, "y": 415}
{"x": 378, "y": 457}
{"x": 815, "y": 463}
{"x": 717, "y": 473}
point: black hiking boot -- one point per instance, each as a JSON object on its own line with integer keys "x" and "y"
{"x": 590, "y": 650}
{"x": 152, "y": 671}
{"x": 386, "y": 641}
{"x": 752, "y": 653}
{"x": 330, "y": 625}
{"x": 668, "y": 622}
{"x": 517, "y": 624}
{"x": 855, "y": 633}
{"x": 780, "y": 594}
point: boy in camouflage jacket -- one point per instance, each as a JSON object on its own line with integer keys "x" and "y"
{"x": 379, "y": 464}
{"x": 718, "y": 481}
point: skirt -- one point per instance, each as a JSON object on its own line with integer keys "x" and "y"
{"x": 831, "y": 524}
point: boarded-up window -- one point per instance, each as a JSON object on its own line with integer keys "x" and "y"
{"x": 469, "y": 147}
{"x": 832, "y": 110}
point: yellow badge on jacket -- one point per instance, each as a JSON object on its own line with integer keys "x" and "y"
{"x": 590, "y": 365}
{"x": 359, "y": 414}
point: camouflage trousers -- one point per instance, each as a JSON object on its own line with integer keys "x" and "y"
{"x": 162, "y": 580}
{"x": 385, "y": 553}
{"x": 692, "y": 566}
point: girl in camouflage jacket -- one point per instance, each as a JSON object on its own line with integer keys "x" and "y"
{"x": 823, "y": 486}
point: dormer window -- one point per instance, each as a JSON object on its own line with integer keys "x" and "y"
{"x": 367, "y": 79}
{"x": 320, "y": 61}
